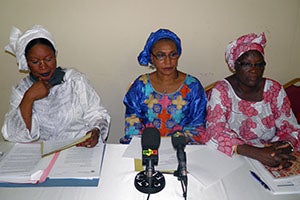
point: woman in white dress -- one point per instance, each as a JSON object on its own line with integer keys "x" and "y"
{"x": 51, "y": 103}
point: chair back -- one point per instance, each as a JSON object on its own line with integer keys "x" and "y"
{"x": 293, "y": 92}
{"x": 209, "y": 88}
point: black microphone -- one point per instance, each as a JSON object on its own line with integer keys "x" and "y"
{"x": 179, "y": 142}
{"x": 150, "y": 181}
{"x": 150, "y": 144}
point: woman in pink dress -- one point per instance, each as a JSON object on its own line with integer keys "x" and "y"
{"x": 248, "y": 114}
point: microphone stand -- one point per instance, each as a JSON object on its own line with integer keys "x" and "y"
{"x": 183, "y": 180}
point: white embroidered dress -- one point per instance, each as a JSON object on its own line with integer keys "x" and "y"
{"x": 71, "y": 109}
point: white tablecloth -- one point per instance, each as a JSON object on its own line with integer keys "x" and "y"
{"x": 117, "y": 183}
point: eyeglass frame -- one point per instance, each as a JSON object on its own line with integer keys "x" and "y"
{"x": 248, "y": 65}
{"x": 38, "y": 62}
{"x": 163, "y": 56}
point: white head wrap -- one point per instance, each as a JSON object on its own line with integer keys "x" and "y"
{"x": 18, "y": 42}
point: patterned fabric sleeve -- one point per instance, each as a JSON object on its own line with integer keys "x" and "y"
{"x": 218, "y": 113}
{"x": 285, "y": 121}
{"x": 133, "y": 113}
{"x": 193, "y": 125}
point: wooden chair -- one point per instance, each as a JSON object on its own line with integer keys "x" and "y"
{"x": 292, "y": 89}
{"x": 208, "y": 88}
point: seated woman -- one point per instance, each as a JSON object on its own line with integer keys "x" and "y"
{"x": 167, "y": 98}
{"x": 51, "y": 103}
{"x": 249, "y": 114}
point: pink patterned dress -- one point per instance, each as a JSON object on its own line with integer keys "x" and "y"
{"x": 232, "y": 121}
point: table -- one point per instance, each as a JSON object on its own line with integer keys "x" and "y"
{"x": 117, "y": 182}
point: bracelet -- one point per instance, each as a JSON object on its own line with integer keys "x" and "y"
{"x": 235, "y": 150}
{"x": 292, "y": 146}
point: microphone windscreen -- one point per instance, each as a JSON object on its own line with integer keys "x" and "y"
{"x": 150, "y": 138}
{"x": 178, "y": 140}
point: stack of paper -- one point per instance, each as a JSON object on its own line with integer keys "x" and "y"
{"x": 24, "y": 166}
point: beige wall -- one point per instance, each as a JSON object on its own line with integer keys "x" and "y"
{"x": 102, "y": 38}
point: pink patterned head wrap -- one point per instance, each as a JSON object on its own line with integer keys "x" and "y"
{"x": 243, "y": 44}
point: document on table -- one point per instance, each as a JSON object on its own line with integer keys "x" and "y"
{"x": 23, "y": 164}
{"x": 79, "y": 163}
{"x": 204, "y": 162}
{"x": 284, "y": 185}
{"x": 167, "y": 160}
{"x": 53, "y": 146}
{"x": 208, "y": 165}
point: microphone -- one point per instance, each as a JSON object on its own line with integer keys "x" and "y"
{"x": 150, "y": 144}
{"x": 179, "y": 142}
{"x": 150, "y": 181}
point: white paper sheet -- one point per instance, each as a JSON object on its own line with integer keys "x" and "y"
{"x": 78, "y": 162}
{"x": 23, "y": 164}
{"x": 208, "y": 165}
{"x": 167, "y": 159}
{"x": 204, "y": 162}
{"x": 52, "y": 146}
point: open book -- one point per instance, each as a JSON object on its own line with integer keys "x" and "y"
{"x": 75, "y": 166}
{"x": 280, "y": 181}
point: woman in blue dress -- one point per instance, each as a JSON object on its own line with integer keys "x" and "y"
{"x": 167, "y": 99}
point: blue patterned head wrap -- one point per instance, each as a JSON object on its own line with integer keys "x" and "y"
{"x": 144, "y": 57}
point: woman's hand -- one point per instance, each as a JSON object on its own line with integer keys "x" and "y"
{"x": 281, "y": 154}
{"x": 282, "y": 147}
{"x": 38, "y": 90}
{"x": 277, "y": 154}
{"x": 92, "y": 141}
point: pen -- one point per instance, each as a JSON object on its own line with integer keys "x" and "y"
{"x": 285, "y": 185}
{"x": 256, "y": 177}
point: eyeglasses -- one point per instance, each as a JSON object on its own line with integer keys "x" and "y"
{"x": 248, "y": 65}
{"x": 162, "y": 56}
{"x": 41, "y": 61}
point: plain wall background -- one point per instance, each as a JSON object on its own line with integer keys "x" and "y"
{"x": 102, "y": 38}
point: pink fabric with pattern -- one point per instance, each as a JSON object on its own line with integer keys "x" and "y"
{"x": 232, "y": 121}
{"x": 243, "y": 44}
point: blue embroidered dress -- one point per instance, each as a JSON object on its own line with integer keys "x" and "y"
{"x": 183, "y": 110}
